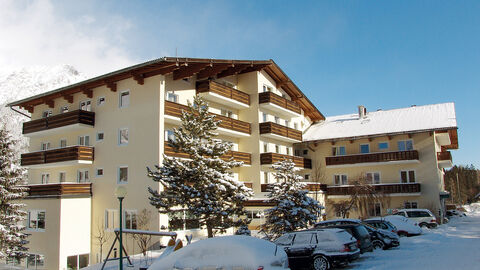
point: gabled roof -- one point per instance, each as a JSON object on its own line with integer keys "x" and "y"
{"x": 181, "y": 68}
{"x": 437, "y": 117}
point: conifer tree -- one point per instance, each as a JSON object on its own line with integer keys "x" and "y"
{"x": 12, "y": 239}
{"x": 293, "y": 209}
{"x": 202, "y": 185}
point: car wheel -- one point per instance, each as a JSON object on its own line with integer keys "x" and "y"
{"x": 320, "y": 262}
{"x": 423, "y": 224}
{"x": 402, "y": 233}
{"x": 377, "y": 244}
{"x": 432, "y": 226}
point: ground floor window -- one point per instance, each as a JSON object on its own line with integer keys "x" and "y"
{"x": 77, "y": 261}
{"x": 410, "y": 205}
{"x": 130, "y": 219}
{"x": 182, "y": 220}
{"x": 255, "y": 214}
{"x": 35, "y": 261}
{"x": 375, "y": 210}
{"x": 36, "y": 220}
{"x": 111, "y": 219}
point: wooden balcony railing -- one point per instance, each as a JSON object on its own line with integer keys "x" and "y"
{"x": 310, "y": 187}
{"x": 269, "y": 97}
{"x": 59, "y": 190}
{"x": 271, "y": 158}
{"x": 237, "y": 156}
{"x": 71, "y": 153}
{"x": 274, "y": 128}
{"x": 223, "y": 90}
{"x": 381, "y": 188}
{"x": 248, "y": 184}
{"x": 444, "y": 156}
{"x": 60, "y": 120}
{"x": 372, "y": 157}
{"x": 175, "y": 110}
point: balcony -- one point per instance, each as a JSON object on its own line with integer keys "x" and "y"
{"x": 310, "y": 187}
{"x": 278, "y": 104}
{"x": 373, "y": 159}
{"x": 228, "y": 126}
{"x": 59, "y": 157}
{"x": 219, "y": 93}
{"x": 71, "y": 120}
{"x": 59, "y": 190}
{"x": 237, "y": 156}
{"x": 403, "y": 189}
{"x": 444, "y": 159}
{"x": 279, "y": 132}
{"x": 271, "y": 158}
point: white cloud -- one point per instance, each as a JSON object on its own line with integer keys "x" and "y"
{"x": 35, "y": 33}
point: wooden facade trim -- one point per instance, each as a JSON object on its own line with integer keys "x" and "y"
{"x": 223, "y": 90}
{"x": 59, "y": 190}
{"x": 309, "y": 187}
{"x": 372, "y": 157}
{"x": 444, "y": 156}
{"x": 237, "y": 156}
{"x": 271, "y": 158}
{"x": 72, "y": 153}
{"x": 274, "y": 128}
{"x": 60, "y": 120}
{"x": 269, "y": 97}
{"x": 380, "y": 188}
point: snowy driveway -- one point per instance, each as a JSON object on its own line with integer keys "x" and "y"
{"x": 455, "y": 245}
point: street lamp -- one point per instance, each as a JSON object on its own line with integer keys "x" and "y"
{"x": 120, "y": 193}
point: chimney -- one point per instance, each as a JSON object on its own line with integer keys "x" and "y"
{"x": 362, "y": 112}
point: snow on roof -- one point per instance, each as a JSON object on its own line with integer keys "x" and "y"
{"x": 411, "y": 119}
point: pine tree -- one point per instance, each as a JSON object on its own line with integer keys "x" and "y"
{"x": 293, "y": 209}
{"x": 202, "y": 185}
{"x": 12, "y": 239}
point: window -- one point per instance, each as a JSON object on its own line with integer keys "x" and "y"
{"x": 99, "y": 172}
{"x": 410, "y": 205}
{"x": 182, "y": 220}
{"x": 62, "y": 177}
{"x": 169, "y": 135}
{"x": 288, "y": 151}
{"x": 111, "y": 219}
{"x": 383, "y": 146}
{"x": 298, "y": 152}
{"x": 277, "y": 149}
{"x": 35, "y": 261}
{"x": 287, "y": 123}
{"x": 45, "y": 178}
{"x": 100, "y": 101}
{"x": 124, "y": 99}
{"x": 130, "y": 219}
{"x": 86, "y": 105}
{"x": 265, "y": 147}
{"x": 285, "y": 240}
{"x": 100, "y": 136}
{"x": 78, "y": 261}
{"x": 405, "y": 145}
{"x": 45, "y": 146}
{"x": 123, "y": 136}
{"x": 265, "y": 177}
{"x": 340, "y": 179}
{"x": 306, "y": 177}
{"x": 122, "y": 175}
{"x": 36, "y": 219}
{"x": 63, "y": 143}
{"x": 364, "y": 148}
{"x": 267, "y": 88}
{"x": 305, "y": 152}
{"x": 303, "y": 238}
{"x": 277, "y": 120}
{"x": 47, "y": 113}
{"x": 407, "y": 176}
{"x": 339, "y": 151}
{"x": 255, "y": 214}
{"x": 84, "y": 140}
{"x": 63, "y": 109}
{"x": 172, "y": 97}
{"x": 375, "y": 210}
{"x": 226, "y": 113}
{"x": 83, "y": 176}
{"x": 295, "y": 126}
{"x": 373, "y": 177}
{"x": 265, "y": 117}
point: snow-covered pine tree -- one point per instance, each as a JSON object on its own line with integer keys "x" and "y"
{"x": 202, "y": 185}
{"x": 293, "y": 209}
{"x": 12, "y": 239}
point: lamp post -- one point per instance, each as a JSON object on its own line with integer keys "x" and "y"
{"x": 121, "y": 192}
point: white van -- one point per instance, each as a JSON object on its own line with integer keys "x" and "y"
{"x": 423, "y": 217}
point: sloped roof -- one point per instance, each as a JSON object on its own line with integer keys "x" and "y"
{"x": 389, "y": 122}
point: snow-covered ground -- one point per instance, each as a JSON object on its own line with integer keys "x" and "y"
{"x": 455, "y": 245}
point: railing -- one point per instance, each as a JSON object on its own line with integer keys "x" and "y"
{"x": 248, "y": 184}
{"x": 60, "y": 120}
{"x": 175, "y": 110}
{"x": 237, "y": 156}
{"x": 59, "y": 189}
{"x": 381, "y": 188}
{"x": 373, "y": 157}
{"x": 271, "y": 158}
{"x": 274, "y": 128}
{"x": 223, "y": 90}
{"x": 269, "y": 97}
{"x": 58, "y": 155}
{"x": 309, "y": 187}
{"x": 444, "y": 156}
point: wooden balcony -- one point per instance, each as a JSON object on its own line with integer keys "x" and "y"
{"x": 248, "y": 184}
{"x": 271, "y": 158}
{"x": 310, "y": 187}
{"x": 175, "y": 110}
{"x": 237, "y": 156}
{"x": 444, "y": 159}
{"x": 220, "y": 93}
{"x": 58, "y": 190}
{"x": 279, "y": 104}
{"x": 279, "y": 132}
{"x": 399, "y": 156}
{"x": 381, "y": 188}
{"x": 79, "y": 154}
{"x": 78, "y": 117}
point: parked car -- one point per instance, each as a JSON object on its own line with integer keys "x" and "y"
{"x": 227, "y": 252}
{"x": 339, "y": 221}
{"x": 357, "y": 230}
{"x": 382, "y": 239}
{"x": 455, "y": 213}
{"x": 423, "y": 217}
{"x": 319, "y": 249}
{"x": 381, "y": 224}
{"x": 405, "y": 227}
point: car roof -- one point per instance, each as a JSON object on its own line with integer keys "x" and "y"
{"x": 413, "y": 209}
{"x": 328, "y": 229}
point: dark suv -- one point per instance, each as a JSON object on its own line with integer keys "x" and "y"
{"x": 358, "y": 231}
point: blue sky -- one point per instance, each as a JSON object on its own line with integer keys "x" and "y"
{"x": 382, "y": 54}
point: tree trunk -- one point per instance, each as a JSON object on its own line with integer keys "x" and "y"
{"x": 209, "y": 230}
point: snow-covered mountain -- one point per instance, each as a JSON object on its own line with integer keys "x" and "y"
{"x": 20, "y": 83}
